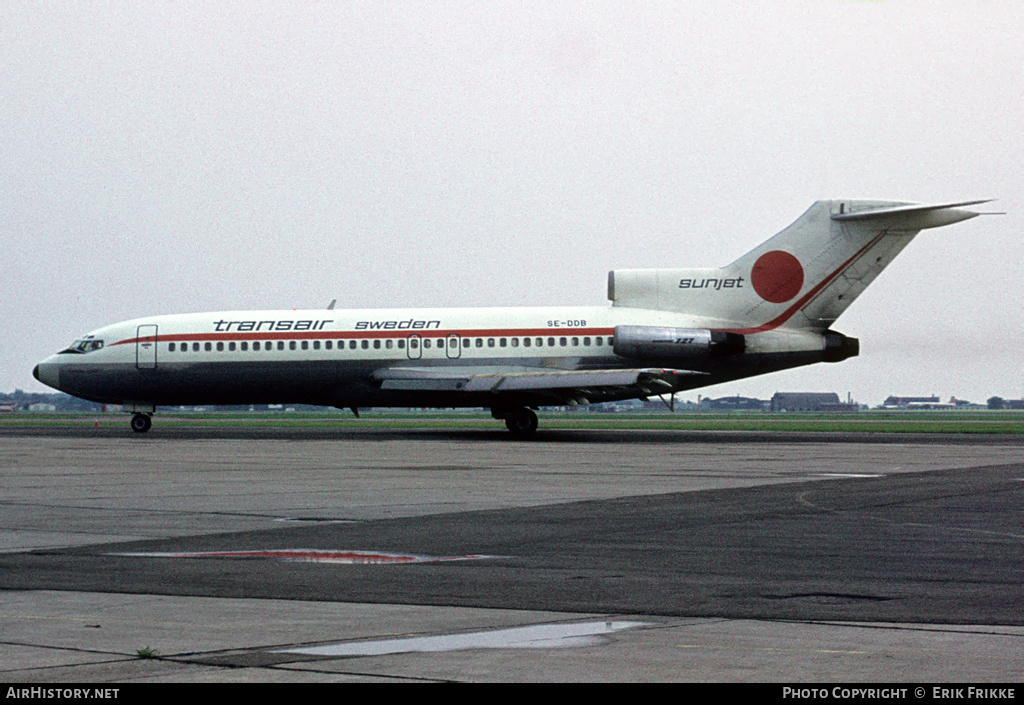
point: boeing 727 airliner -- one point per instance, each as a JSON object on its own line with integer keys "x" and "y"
{"x": 667, "y": 330}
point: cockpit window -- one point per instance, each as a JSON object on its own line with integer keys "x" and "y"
{"x": 80, "y": 347}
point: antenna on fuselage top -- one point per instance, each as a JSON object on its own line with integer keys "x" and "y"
{"x": 330, "y": 306}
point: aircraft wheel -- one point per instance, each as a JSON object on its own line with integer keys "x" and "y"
{"x": 521, "y": 422}
{"x": 141, "y": 423}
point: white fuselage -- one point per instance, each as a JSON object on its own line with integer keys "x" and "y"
{"x": 329, "y": 357}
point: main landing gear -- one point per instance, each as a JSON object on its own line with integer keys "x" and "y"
{"x": 141, "y": 422}
{"x": 522, "y": 422}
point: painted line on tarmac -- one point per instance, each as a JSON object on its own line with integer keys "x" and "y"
{"x": 311, "y": 555}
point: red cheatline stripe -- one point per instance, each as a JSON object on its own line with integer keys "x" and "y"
{"x": 356, "y": 335}
{"x": 487, "y": 332}
{"x": 788, "y": 313}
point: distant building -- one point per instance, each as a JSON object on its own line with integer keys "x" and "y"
{"x": 809, "y": 401}
{"x": 841, "y": 407}
{"x": 932, "y": 402}
{"x": 616, "y": 407}
{"x": 7, "y": 407}
{"x": 910, "y": 402}
{"x": 736, "y": 403}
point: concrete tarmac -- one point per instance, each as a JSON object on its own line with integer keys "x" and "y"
{"x": 631, "y": 555}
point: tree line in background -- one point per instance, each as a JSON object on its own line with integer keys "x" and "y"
{"x": 1000, "y": 403}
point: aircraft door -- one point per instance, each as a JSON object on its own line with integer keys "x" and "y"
{"x": 145, "y": 347}
{"x": 454, "y": 347}
{"x": 414, "y": 346}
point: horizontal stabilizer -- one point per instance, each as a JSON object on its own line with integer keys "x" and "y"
{"x": 911, "y": 217}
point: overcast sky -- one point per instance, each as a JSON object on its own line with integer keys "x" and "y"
{"x": 174, "y": 156}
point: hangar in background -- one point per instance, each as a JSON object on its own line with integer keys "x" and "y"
{"x": 810, "y": 401}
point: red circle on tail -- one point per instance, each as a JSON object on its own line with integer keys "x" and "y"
{"x": 777, "y": 276}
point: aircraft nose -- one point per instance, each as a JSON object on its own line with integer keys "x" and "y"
{"x": 48, "y": 373}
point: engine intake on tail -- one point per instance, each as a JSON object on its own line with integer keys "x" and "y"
{"x": 662, "y": 343}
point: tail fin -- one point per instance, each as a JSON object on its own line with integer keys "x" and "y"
{"x": 804, "y": 277}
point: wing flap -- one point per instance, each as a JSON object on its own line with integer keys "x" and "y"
{"x": 560, "y": 379}
{"x": 644, "y": 380}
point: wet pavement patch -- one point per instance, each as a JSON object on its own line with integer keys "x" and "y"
{"x": 536, "y": 636}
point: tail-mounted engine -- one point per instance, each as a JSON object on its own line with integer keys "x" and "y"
{"x": 837, "y": 347}
{"x": 661, "y": 343}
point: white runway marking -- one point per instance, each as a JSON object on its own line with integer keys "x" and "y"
{"x": 310, "y": 555}
{"x": 846, "y": 474}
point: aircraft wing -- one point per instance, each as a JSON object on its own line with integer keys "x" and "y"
{"x": 592, "y": 385}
